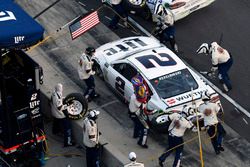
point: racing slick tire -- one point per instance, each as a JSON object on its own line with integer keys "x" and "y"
{"x": 77, "y": 105}
{"x": 160, "y": 127}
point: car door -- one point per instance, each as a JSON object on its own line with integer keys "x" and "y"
{"x": 119, "y": 76}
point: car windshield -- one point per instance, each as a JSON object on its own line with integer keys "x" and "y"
{"x": 173, "y": 84}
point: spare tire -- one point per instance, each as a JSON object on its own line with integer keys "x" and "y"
{"x": 133, "y": 5}
{"x": 77, "y": 105}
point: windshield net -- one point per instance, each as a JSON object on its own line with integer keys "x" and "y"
{"x": 173, "y": 84}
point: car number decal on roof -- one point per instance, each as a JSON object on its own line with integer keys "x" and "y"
{"x": 124, "y": 46}
{"x": 146, "y": 60}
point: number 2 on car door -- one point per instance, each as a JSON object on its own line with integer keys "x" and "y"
{"x": 119, "y": 85}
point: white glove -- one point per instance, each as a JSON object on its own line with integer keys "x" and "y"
{"x": 92, "y": 72}
{"x": 213, "y": 69}
{"x": 64, "y": 107}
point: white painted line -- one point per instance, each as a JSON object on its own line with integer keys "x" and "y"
{"x": 236, "y": 109}
{"x": 104, "y": 105}
{"x": 245, "y": 121}
{"x": 81, "y": 3}
{"x": 108, "y": 18}
{"x": 233, "y": 102}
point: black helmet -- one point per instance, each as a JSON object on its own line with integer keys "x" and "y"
{"x": 89, "y": 50}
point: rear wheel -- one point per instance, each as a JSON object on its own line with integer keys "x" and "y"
{"x": 77, "y": 105}
{"x": 96, "y": 67}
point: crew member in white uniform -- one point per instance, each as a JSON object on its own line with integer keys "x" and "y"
{"x": 58, "y": 112}
{"x": 165, "y": 28}
{"x": 86, "y": 73}
{"x": 176, "y": 130}
{"x": 91, "y": 139}
{"x": 133, "y": 163}
{"x": 211, "y": 123}
{"x": 221, "y": 60}
{"x": 138, "y": 110}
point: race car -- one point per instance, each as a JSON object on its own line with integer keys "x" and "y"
{"x": 179, "y": 8}
{"x": 173, "y": 86}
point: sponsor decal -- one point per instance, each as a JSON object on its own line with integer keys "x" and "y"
{"x": 125, "y": 46}
{"x": 18, "y": 39}
{"x": 33, "y": 101}
{"x": 170, "y": 75}
{"x": 171, "y": 101}
{"x": 35, "y": 111}
{"x": 194, "y": 8}
{"x": 189, "y": 95}
{"x": 191, "y": 4}
{"x": 7, "y": 15}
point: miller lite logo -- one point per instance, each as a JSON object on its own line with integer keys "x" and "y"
{"x": 19, "y": 39}
{"x": 34, "y": 101}
{"x": 7, "y": 15}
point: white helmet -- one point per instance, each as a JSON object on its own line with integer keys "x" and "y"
{"x": 94, "y": 113}
{"x": 206, "y": 96}
{"x": 132, "y": 156}
{"x": 160, "y": 10}
{"x": 204, "y": 48}
{"x": 59, "y": 89}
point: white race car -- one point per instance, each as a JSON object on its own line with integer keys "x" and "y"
{"x": 179, "y": 8}
{"x": 173, "y": 85}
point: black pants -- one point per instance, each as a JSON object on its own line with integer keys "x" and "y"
{"x": 63, "y": 125}
{"x": 217, "y": 132}
{"x": 173, "y": 141}
{"x": 92, "y": 157}
{"x": 140, "y": 131}
{"x": 90, "y": 83}
{"x": 121, "y": 11}
{"x": 223, "y": 69}
{"x": 168, "y": 35}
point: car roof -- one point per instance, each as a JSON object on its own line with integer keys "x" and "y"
{"x": 125, "y": 47}
{"x": 156, "y": 62}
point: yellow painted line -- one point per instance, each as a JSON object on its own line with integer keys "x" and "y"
{"x": 39, "y": 43}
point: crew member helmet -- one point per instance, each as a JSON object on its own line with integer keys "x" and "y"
{"x": 204, "y": 48}
{"x": 132, "y": 156}
{"x": 94, "y": 113}
{"x": 205, "y": 96}
{"x": 90, "y": 50}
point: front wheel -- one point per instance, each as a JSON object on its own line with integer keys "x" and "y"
{"x": 160, "y": 123}
{"x": 77, "y": 105}
{"x": 96, "y": 67}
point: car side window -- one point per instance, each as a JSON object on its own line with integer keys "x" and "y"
{"x": 125, "y": 70}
